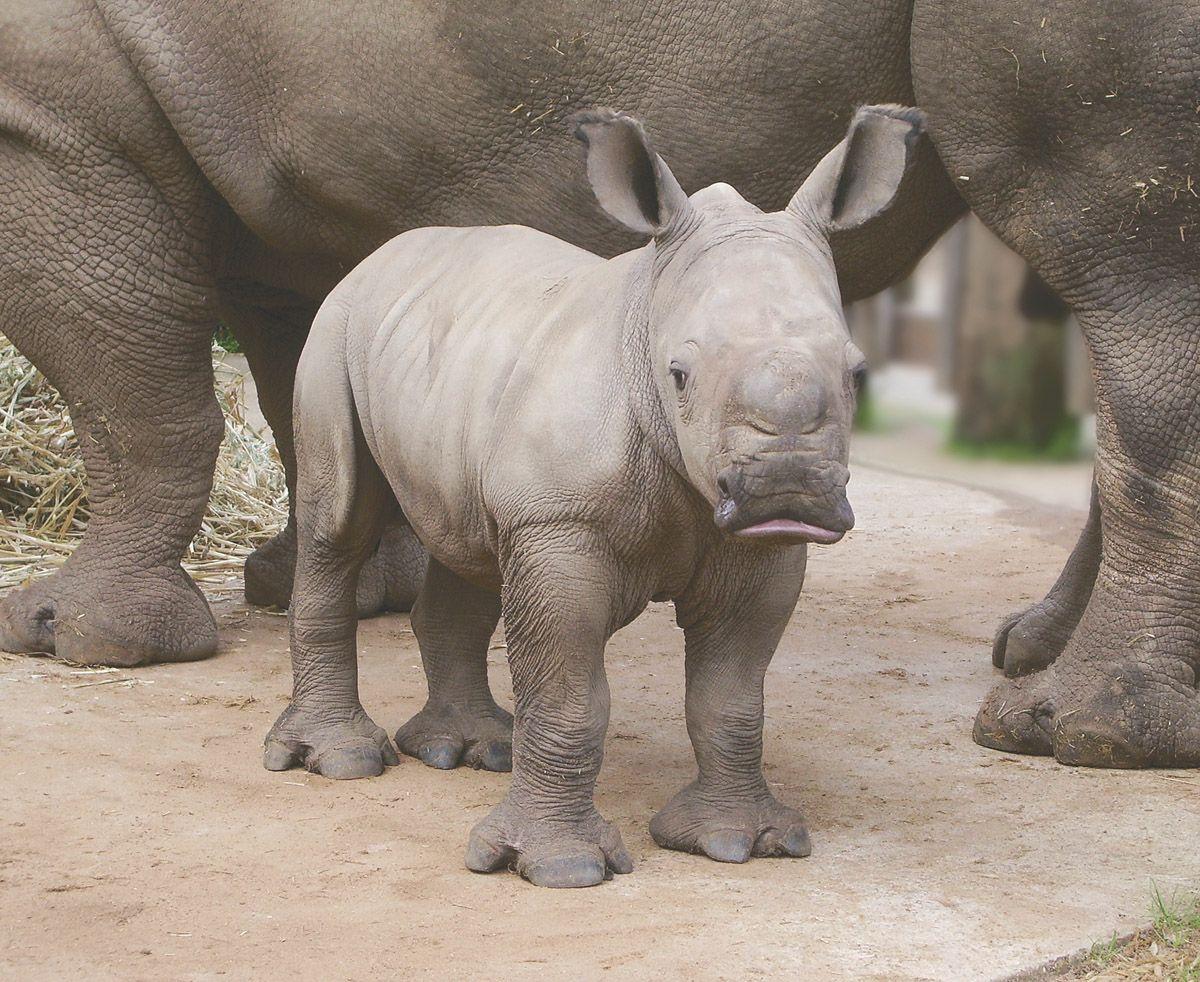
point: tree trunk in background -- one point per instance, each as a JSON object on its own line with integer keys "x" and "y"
{"x": 1010, "y": 357}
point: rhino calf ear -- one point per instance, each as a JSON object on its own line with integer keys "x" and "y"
{"x": 858, "y": 179}
{"x": 631, "y": 181}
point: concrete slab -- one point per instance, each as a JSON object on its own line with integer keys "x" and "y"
{"x": 140, "y": 838}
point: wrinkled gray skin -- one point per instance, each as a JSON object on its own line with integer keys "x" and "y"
{"x": 166, "y": 163}
{"x": 570, "y": 437}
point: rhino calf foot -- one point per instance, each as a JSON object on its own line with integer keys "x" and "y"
{"x": 730, "y": 830}
{"x": 447, "y": 736}
{"x": 341, "y": 749}
{"x": 547, "y": 852}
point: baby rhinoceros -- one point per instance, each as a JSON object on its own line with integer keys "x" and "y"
{"x": 572, "y": 437}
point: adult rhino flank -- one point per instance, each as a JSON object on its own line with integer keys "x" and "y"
{"x": 571, "y": 437}
{"x": 167, "y": 165}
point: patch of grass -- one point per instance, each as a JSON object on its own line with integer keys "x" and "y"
{"x": 1168, "y": 949}
{"x": 1062, "y": 445}
{"x": 225, "y": 340}
{"x": 1103, "y": 952}
{"x": 866, "y": 414}
{"x": 1176, "y": 921}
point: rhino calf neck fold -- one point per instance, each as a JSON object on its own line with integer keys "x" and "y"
{"x": 571, "y": 437}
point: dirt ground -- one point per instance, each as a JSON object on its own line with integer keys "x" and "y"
{"x": 141, "y": 838}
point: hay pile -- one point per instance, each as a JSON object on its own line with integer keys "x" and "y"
{"x": 43, "y": 504}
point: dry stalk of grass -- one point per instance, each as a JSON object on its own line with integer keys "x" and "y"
{"x": 43, "y": 499}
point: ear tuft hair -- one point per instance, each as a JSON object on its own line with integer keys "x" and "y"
{"x": 909, "y": 114}
{"x": 586, "y": 117}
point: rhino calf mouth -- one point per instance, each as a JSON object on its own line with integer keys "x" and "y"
{"x": 787, "y": 529}
{"x": 778, "y": 528}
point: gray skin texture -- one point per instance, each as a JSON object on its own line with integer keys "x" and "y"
{"x": 166, "y": 165}
{"x": 1078, "y": 134}
{"x": 571, "y": 437}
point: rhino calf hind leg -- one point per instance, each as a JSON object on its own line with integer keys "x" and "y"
{"x": 342, "y": 501}
{"x": 460, "y": 723}
{"x": 1030, "y": 640}
{"x": 728, "y": 813}
{"x": 561, "y": 604}
{"x": 271, "y": 326}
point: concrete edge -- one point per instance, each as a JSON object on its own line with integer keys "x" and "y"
{"x": 1056, "y": 966}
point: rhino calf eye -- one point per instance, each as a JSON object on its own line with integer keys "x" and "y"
{"x": 679, "y": 377}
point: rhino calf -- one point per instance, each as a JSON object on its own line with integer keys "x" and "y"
{"x": 572, "y": 437}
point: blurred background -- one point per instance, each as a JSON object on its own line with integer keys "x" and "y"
{"x": 974, "y": 344}
{"x": 978, "y": 373}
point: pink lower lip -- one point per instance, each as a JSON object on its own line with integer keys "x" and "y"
{"x": 785, "y": 528}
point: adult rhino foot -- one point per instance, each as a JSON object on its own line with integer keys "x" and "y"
{"x": 389, "y": 580}
{"x": 447, "y": 736}
{"x": 91, "y": 615}
{"x": 342, "y": 749}
{"x": 1030, "y": 640}
{"x": 1124, "y": 712}
{"x": 730, "y": 830}
{"x": 546, "y": 852}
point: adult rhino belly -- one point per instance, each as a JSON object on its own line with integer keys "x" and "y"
{"x": 328, "y": 136}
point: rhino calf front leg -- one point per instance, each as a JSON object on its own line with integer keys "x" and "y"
{"x": 460, "y": 723}
{"x": 728, "y": 813}
{"x": 560, "y": 604}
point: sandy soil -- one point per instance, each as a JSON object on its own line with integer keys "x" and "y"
{"x": 140, "y": 837}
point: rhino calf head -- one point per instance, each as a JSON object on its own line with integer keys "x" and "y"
{"x": 752, "y": 360}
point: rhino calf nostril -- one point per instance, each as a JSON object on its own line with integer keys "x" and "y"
{"x": 723, "y": 485}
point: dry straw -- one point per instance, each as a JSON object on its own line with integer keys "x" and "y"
{"x": 43, "y": 501}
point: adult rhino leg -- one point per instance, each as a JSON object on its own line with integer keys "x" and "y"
{"x": 731, "y": 630}
{"x": 148, "y": 428}
{"x": 1123, "y": 691}
{"x": 1110, "y": 222}
{"x": 104, "y": 285}
{"x": 272, "y": 325}
{"x": 460, "y": 723}
{"x": 1030, "y": 640}
{"x": 561, "y": 603}
{"x": 341, "y": 501}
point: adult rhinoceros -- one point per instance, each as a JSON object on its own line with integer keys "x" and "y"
{"x": 166, "y": 165}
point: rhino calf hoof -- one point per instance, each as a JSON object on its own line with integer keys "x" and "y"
{"x": 342, "y": 750}
{"x": 583, "y": 854}
{"x": 446, "y": 737}
{"x": 733, "y": 830}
